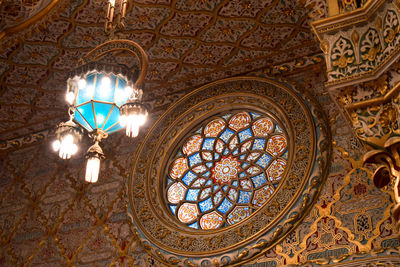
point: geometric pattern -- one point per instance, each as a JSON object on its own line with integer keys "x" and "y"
{"x": 236, "y": 162}
{"x": 188, "y": 43}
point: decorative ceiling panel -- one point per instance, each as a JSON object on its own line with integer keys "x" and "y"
{"x": 189, "y": 43}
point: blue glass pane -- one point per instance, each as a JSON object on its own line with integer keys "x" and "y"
{"x": 188, "y": 178}
{"x": 209, "y": 182}
{"x": 244, "y": 135}
{"x": 194, "y": 159}
{"x": 264, "y": 160}
{"x": 259, "y": 144}
{"x": 194, "y": 225}
{"x": 199, "y": 131}
{"x": 101, "y": 112}
{"x": 216, "y": 156}
{"x": 215, "y": 188}
{"x": 235, "y": 183}
{"x": 226, "y": 151}
{"x": 104, "y": 91}
{"x": 209, "y": 164}
{"x": 243, "y": 174}
{"x": 226, "y": 135}
{"x": 205, "y": 205}
{"x": 116, "y": 127}
{"x": 81, "y": 121}
{"x": 254, "y": 115}
{"x": 285, "y": 156}
{"x": 244, "y": 165}
{"x": 235, "y": 152}
{"x": 86, "y": 93}
{"x": 208, "y": 144}
{"x": 121, "y": 95}
{"x": 242, "y": 157}
{"x": 225, "y": 206}
{"x": 278, "y": 129}
{"x": 207, "y": 174}
{"x": 173, "y": 208}
{"x": 112, "y": 118}
{"x": 86, "y": 111}
{"x": 259, "y": 180}
{"x": 192, "y": 194}
{"x": 225, "y": 187}
{"x": 244, "y": 196}
{"x": 169, "y": 181}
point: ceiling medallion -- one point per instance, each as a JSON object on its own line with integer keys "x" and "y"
{"x": 227, "y": 172}
{"x": 103, "y": 97}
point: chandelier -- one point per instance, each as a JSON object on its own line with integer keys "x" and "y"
{"x": 103, "y": 98}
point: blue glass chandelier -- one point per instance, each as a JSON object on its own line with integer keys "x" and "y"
{"x": 103, "y": 98}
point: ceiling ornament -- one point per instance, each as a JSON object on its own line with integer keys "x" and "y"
{"x": 191, "y": 124}
{"x": 103, "y": 97}
{"x": 18, "y": 16}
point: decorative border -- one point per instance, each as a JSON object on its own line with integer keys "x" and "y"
{"x": 162, "y": 237}
{"x": 360, "y": 45}
{"x": 41, "y": 15}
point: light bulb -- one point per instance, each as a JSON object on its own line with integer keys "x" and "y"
{"x": 82, "y": 84}
{"x": 99, "y": 119}
{"x": 133, "y": 123}
{"x": 70, "y": 97}
{"x": 89, "y": 91}
{"x": 67, "y": 147}
{"x": 105, "y": 82}
{"x": 128, "y": 91}
{"x": 122, "y": 120}
{"x": 56, "y": 145}
{"x": 92, "y": 169}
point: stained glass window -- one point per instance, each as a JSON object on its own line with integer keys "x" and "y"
{"x": 226, "y": 170}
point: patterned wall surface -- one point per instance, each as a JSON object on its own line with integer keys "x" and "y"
{"x": 189, "y": 43}
{"x": 50, "y": 217}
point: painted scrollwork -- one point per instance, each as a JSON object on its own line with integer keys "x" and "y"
{"x": 390, "y": 30}
{"x": 350, "y": 58}
{"x": 342, "y": 58}
{"x": 370, "y": 48}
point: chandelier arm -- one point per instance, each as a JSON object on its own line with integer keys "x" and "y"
{"x": 117, "y": 45}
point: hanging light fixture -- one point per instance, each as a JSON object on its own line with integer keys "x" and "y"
{"x": 133, "y": 114}
{"x": 120, "y": 14}
{"x": 103, "y": 98}
{"x": 68, "y": 135}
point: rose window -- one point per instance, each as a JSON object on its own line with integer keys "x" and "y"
{"x": 226, "y": 170}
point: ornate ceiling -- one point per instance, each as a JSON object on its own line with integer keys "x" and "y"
{"x": 189, "y": 43}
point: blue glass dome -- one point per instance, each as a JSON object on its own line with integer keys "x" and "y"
{"x": 98, "y": 98}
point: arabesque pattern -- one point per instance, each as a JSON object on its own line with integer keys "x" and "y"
{"x": 227, "y": 170}
{"x": 188, "y": 43}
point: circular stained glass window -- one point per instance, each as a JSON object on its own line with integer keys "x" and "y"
{"x": 226, "y": 170}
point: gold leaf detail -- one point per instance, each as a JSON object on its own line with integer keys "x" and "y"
{"x": 355, "y": 37}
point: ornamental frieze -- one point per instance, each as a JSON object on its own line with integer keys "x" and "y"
{"x": 359, "y": 45}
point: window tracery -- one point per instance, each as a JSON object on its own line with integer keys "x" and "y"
{"x": 226, "y": 170}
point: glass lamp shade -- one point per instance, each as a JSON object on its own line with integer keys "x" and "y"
{"x": 92, "y": 169}
{"x": 94, "y": 155}
{"x": 98, "y": 97}
{"x": 132, "y": 116}
{"x": 68, "y": 135}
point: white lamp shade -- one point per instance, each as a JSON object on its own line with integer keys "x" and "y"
{"x": 92, "y": 169}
